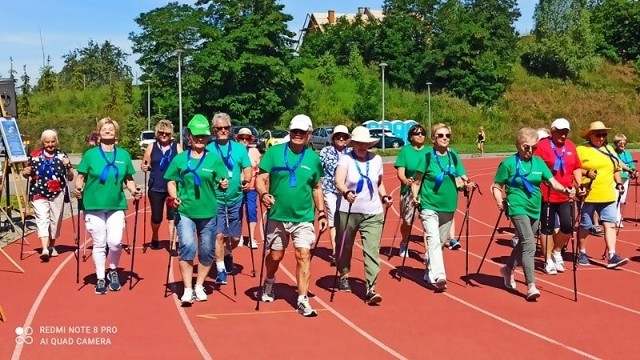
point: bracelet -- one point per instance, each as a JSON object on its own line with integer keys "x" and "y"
{"x": 387, "y": 197}
{"x": 322, "y": 217}
{"x": 345, "y": 194}
{"x": 619, "y": 184}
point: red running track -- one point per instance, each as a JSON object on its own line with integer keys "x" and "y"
{"x": 479, "y": 320}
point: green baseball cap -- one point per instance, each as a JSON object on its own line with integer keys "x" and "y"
{"x": 199, "y": 125}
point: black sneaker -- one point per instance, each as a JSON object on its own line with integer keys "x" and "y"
{"x": 101, "y": 287}
{"x": 114, "y": 281}
{"x": 441, "y": 284}
{"x": 155, "y": 244}
{"x": 616, "y": 261}
{"x": 372, "y": 297}
{"x": 228, "y": 263}
{"x": 332, "y": 260}
{"x": 343, "y": 284}
{"x": 44, "y": 256}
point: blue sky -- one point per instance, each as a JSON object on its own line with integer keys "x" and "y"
{"x": 66, "y": 25}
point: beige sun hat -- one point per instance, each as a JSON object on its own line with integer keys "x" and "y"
{"x": 361, "y": 134}
{"x": 594, "y": 126}
{"x": 340, "y": 129}
{"x": 246, "y": 132}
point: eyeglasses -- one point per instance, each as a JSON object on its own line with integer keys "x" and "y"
{"x": 163, "y": 133}
{"x": 531, "y": 148}
{"x": 621, "y": 143}
{"x": 220, "y": 128}
{"x": 441, "y": 135}
{"x": 420, "y": 133}
{"x": 600, "y": 134}
{"x": 244, "y": 138}
{"x": 297, "y": 132}
{"x": 200, "y": 137}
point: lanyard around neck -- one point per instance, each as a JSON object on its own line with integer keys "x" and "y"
{"x": 228, "y": 160}
{"x": 363, "y": 177}
{"x": 450, "y": 170}
{"x": 559, "y": 162}
{"x": 528, "y": 186}
{"x": 292, "y": 170}
{"x": 46, "y": 164}
{"x": 196, "y": 177}
{"x": 110, "y": 165}
{"x": 166, "y": 156}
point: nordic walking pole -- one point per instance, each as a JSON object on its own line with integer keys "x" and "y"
{"x": 340, "y": 253}
{"x": 144, "y": 207}
{"x": 24, "y": 219}
{"x": 226, "y": 220}
{"x": 574, "y": 250}
{"x": 264, "y": 255}
{"x": 466, "y": 219}
{"x": 136, "y": 202}
{"x": 404, "y": 258}
{"x": 636, "y": 203}
{"x": 490, "y": 240}
{"x": 78, "y": 242}
{"x": 395, "y": 233}
{"x": 76, "y": 236}
{"x": 246, "y": 210}
{"x": 171, "y": 245}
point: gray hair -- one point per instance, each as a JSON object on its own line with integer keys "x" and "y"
{"x": 221, "y": 117}
{"x": 49, "y": 133}
{"x": 526, "y": 133}
{"x": 619, "y": 138}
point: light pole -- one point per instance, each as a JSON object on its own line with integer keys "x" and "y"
{"x": 429, "y": 96}
{"x": 148, "y": 104}
{"x": 382, "y": 66}
{"x": 179, "y": 51}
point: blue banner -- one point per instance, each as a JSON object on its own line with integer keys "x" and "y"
{"x": 12, "y": 140}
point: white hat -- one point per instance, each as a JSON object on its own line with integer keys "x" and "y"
{"x": 245, "y": 131}
{"x": 361, "y": 134}
{"x": 542, "y": 133}
{"x": 560, "y": 124}
{"x": 301, "y": 122}
{"x": 340, "y": 129}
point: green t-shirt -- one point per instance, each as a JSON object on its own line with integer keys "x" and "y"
{"x": 107, "y": 194}
{"x": 441, "y": 169}
{"x": 198, "y": 202}
{"x": 409, "y": 159}
{"x": 293, "y": 203}
{"x": 235, "y": 159}
{"x": 520, "y": 201}
{"x": 627, "y": 159}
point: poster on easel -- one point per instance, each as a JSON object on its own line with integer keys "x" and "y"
{"x": 12, "y": 141}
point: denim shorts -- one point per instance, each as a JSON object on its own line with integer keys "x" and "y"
{"x": 230, "y": 214}
{"x": 607, "y": 212}
{"x": 187, "y": 229}
{"x": 252, "y": 204}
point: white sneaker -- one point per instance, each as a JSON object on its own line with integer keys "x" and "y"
{"x": 200, "y": 294}
{"x": 507, "y": 276}
{"x": 533, "y": 292}
{"x": 557, "y": 259}
{"x": 187, "y": 297}
{"x": 254, "y": 244}
{"x": 305, "y": 309}
{"x": 550, "y": 267}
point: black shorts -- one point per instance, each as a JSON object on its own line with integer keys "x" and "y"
{"x": 552, "y": 213}
{"x": 157, "y": 202}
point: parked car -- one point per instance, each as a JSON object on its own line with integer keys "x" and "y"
{"x": 147, "y": 137}
{"x": 272, "y": 137}
{"x": 390, "y": 140}
{"x": 254, "y": 131}
{"x": 321, "y": 137}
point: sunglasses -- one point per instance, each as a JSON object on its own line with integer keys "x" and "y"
{"x": 531, "y": 148}
{"x": 341, "y": 137}
{"x": 244, "y": 138}
{"x": 220, "y": 128}
{"x": 441, "y": 135}
{"x": 297, "y": 132}
{"x": 200, "y": 137}
{"x": 418, "y": 133}
{"x": 600, "y": 134}
{"x": 163, "y": 133}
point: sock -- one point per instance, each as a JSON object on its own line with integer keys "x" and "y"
{"x": 227, "y": 252}
{"x": 302, "y": 298}
{"x": 220, "y": 266}
{"x": 583, "y": 252}
{"x": 611, "y": 253}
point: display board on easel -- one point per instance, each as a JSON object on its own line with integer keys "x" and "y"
{"x": 12, "y": 140}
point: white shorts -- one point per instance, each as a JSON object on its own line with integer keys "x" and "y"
{"x": 331, "y": 202}
{"x": 279, "y": 233}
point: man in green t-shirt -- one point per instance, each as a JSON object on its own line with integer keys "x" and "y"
{"x": 289, "y": 186}
{"x": 229, "y": 215}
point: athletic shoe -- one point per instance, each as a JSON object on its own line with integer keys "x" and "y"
{"x": 241, "y": 242}
{"x": 533, "y": 293}
{"x": 305, "y": 309}
{"x": 200, "y": 294}
{"x": 221, "y": 277}
{"x": 114, "y": 281}
{"x": 557, "y": 259}
{"x": 514, "y": 241}
{"x": 228, "y": 263}
{"x": 372, "y": 297}
{"x": 441, "y": 284}
{"x": 454, "y": 244}
{"x": 615, "y": 261}
{"x": 596, "y": 230}
{"x": 268, "y": 295}
{"x": 254, "y": 244}
{"x": 101, "y": 287}
{"x": 53, "y": 252}
{"x": 507, "y": 276}
{"x": 155, "y": 244}
{"x": 343, "y": 284}
{"x": 404, "y": 249}
{"x": 583, "y": 259}
{"x": 187, "y": 297}
{"x": 332, "y": 260}
{"x": 44, "y": 255}
{"x": 550, "y": 267}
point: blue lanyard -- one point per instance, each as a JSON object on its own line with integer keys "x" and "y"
{"x": 559, "y": 162}
{"x": 528, "y": 186}
{"x": 292, "y": 170}
{"x": 344, "y": 151}
{"x": 363, "y": 177}
{"x": 196, "y": 177}
{"x": 450, "y": 170}
{"x": 166, "y": 157}
{"x": 623, "y": 156}
{"x": 46, "y": 165}
{"x": 228, "y": 160}
{"x": 110, "y": 165}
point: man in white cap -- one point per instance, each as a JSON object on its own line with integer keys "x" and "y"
{"x": 559, "y": 153}
{"x": 329, "y": 157}
{"x": 288, "y": 182}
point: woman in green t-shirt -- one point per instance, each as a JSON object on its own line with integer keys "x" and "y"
{"x": 101, "y": 173}
{"x": 520, "y": 175}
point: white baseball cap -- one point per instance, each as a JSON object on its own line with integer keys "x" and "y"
{"x": 301, "y": 122}
{"x": 560, "y": 124}
{"x": 340, "y": 129}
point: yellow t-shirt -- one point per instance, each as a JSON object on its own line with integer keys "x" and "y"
{"x": 603, "y": 187}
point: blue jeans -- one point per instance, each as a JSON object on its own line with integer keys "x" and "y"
{"x": 231, "y": 214}
{"x": 607, "y": 212}
{"x": 206, "y": 232}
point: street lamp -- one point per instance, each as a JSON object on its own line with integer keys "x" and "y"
{"x": 382, "y": 66}
{"x": 429, "y": 92}
{"x": 148, "y": 104}
{"x": 180, "y": 51}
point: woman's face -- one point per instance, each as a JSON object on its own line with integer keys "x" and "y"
{"x": 163, "y": 135}
{"x": 621, "y": 145}
{"x": 526, "y": 147}
{"x": 418, "y": 137}
{"x": 107, "y": 132}
{"x": 442, "y": 137}
{"x": 49, "y": 143}
{"x": 340, "y": 140}
{"x": 199, "y": 141}
{"x": 598, "y": 137}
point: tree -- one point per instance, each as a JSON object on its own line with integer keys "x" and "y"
{"x": 328, "y": 69}
{"x": 25, "y": 91}
{"x": 616, "y": 27}
{"x": 95, "y": 65}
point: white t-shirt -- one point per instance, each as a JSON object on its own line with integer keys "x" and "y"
{"x": 366, "y": 203}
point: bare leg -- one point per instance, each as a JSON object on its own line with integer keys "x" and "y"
{"x": 303, "y": 270}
